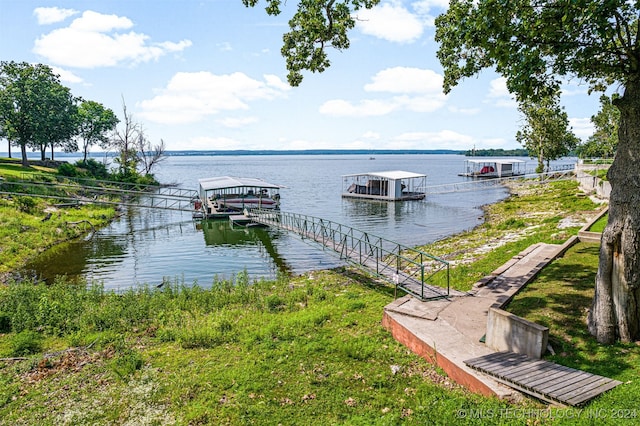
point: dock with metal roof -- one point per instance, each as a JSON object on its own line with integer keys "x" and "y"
{"x": 396, "y": 185}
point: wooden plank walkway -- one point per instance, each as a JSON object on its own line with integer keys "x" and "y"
{"x": 543, "y": 379}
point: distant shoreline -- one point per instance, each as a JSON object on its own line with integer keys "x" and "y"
{"x": 237, "y": 152}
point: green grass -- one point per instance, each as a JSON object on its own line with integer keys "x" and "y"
{"x": 600, "y": 224}
{"x": 559, "y": 299}
{"x": 296, "y": 350}
{"x": 37, "y": 222}
{"x": 226, "y": 355}
{"x": 531, "y": 214}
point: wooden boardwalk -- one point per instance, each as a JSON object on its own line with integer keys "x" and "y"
{"x": 543, "y": 379}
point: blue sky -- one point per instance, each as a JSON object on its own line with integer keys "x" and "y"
{"x": 208, "y": 75}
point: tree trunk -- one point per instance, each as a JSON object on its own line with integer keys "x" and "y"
{"x": 615, "y": 313}
{"x": 9, "y": 146}
{"x": 23, "y": 150}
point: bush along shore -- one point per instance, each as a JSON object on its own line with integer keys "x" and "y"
{"x": 296, "y": 350}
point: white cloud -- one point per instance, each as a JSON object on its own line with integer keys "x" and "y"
{"x": 366, "y": 108}
{"x": 51, "y": 15}
{"x": 445, "y": 139}
{"x": 417, "y": 90}
{"x": 464, "y": 111}
{"x": 235, "y": 123}
{"x": 406, "y": 80}
{"x": 425, "y": 9}
{"x": 191, "y": 97}
{"x": 371, "y": 135}
{"x": 499, "y": 94}
{"x": 582, "y": 127}
{"x": 67, "y": 76}
{"x": 276, "y": 82}
{"x": 97, "y": 40}
{"x": 391, "y": 22}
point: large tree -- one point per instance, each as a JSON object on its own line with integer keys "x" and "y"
{"x": 546, "y": 132}
{"x": 57, "y": 124}
{"x": 315, "y": 26}
{"x": 36, "y": 111}
{"x": 535, "y": 44}
{"x": 604, "y": 141}
{"x": 95, "y": 122}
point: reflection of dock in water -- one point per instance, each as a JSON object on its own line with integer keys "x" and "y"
{"x": 222, "y": 233}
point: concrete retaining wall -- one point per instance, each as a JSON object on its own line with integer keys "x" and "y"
{"x": 591, "y": 184}
{"x": 508, "y": 332}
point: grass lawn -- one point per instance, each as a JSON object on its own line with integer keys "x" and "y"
{"x": 560, "y": 298}
{"x": 298, "y": 350}
{"x": 37, "y": 221}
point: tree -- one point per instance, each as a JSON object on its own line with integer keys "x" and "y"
{"x": 148, "y": 155}
{"x": 25, "y": 91}
{"x": 534, "y": 45}
{"x": 604, "y": 141}
{"x": 546, "y": 132}
{"x": 57, "y": 125}
{"x": 124, "y": 140}
{"x": 134, "y": 149}
{"x": 35, "y": 109}
{"x": 94, "y": 124}
{"x": 316, "y": 25}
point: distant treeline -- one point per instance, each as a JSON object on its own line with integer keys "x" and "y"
{"x": 497, "y": 153}
{"x": 370, "y": 152}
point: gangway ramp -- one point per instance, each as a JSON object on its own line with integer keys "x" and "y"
{"x": 483, "y": 184}
{"x": 415, "y": 272}
{"x": 105, "y": 192}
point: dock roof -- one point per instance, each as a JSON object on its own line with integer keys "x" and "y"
{"x": 393, "y": 174}
{"x": 223, "y": 182}
{"x": 495, "y": 160}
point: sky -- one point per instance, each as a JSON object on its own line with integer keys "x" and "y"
{"x": 208, "y": 75}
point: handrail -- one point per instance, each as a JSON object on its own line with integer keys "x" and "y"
{"x": 423, "y": 275}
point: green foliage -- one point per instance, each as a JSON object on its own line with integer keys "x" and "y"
{"x": 66, "y": 169}
{"x": 26, "y": 204}
{"x": 546, "y": 133}
{"x": 604, "y": 141}
{"x": 94, "y": 122}
{"x": 125, "y": 363}
{"x": 25, "y": 343}
{"x": 93, "y": 168}
{"x": 497, "y": 153}
{"x": 36, "y": 111}
{"x": 314, "y": 27}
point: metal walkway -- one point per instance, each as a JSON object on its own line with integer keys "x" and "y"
{"x": 543, "y": 379}
{"x": 482, "y": 184}
{"x": 105, "y": 192}
{"x": 417, "y": 273}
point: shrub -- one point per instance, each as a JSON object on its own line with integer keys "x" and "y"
{"x": 26, "y": 343}
{"x": 66, "y": 169}
{"x": 26, "y": 204}
{"x": 126, "y": 363}
{"x": 94, "y": 168}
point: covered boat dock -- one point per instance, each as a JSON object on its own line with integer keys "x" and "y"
{"x": 223, "y": 196}
{"x": 394, "y": 185}
{"x": 493, "y": 168}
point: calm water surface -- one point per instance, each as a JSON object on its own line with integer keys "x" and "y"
{"x": 147, "y": 246}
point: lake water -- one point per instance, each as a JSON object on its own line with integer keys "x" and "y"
{"x": 149, "y": 246}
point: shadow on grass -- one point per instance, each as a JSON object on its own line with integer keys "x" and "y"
{"x": 560, "y": 299}
{"x": 366, "y": 280}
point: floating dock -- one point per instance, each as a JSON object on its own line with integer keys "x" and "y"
{"x": 394, "y": 185}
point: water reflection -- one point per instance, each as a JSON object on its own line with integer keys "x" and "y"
{"x": 223, "y": 234}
